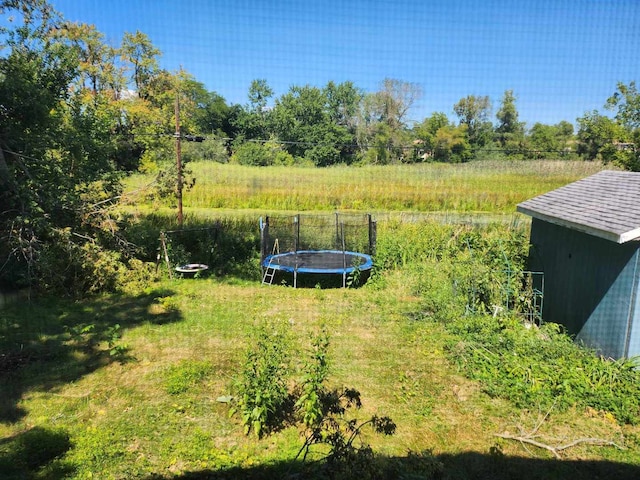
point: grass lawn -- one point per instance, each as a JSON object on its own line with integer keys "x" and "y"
{"x": 155, "y": 415}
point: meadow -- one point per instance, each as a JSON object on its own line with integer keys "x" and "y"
{"x": 140, "y": 383}
{"x": 483, "y": 186}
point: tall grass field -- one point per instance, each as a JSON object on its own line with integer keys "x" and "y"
{"x": 483, "y": 186}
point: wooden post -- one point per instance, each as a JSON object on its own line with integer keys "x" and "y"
{"x": 179, "y": 160}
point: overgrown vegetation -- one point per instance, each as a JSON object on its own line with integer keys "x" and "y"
{"x": 406, "y": 340}
{"x": 477, "y": 288}
{"x": 543, "y": 368}
{"x": 263, "y": 399}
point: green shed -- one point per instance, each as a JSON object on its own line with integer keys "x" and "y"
{"x": 585, "y": 238}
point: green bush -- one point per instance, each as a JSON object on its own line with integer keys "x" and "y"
{"x": 262, "y": 390}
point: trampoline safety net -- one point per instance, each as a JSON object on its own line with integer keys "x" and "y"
{"x": 338, "y": 231}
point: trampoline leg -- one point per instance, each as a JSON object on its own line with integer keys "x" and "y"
{"x": 295, "y": 278}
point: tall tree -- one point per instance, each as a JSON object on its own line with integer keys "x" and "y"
{"x": 259, "y": 94}
{"x": 394, "y": 100}
{"x": 382, "y": 121}
{"x": 301, "y": 119}
{"x": 343, "y": 101}
{"x": 55, "y": 156}
{"x": 550, "y": 141}
{"x": 626, "y": 102}
{"x": 509, "y": 131}
{"x": 98, "y": 72}
{"x": 451, "y": 144}
{"x": 142, "y": 57}
{"x": 252, "y": 121}
{"x": 598, "y": 137}
{"x": 425, "y": 133}
{"x": 474, "y": 112}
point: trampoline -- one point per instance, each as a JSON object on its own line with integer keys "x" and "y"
{"x": 317, "y": 250}
{"x": 310, "y": 267}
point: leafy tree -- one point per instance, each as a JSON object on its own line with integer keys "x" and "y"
{"x": 252, "y": 121}
{"x": 382, "y": 121}
{"x": 598, "y": 136}
{"x": 98, "y": 71}
{"x": 425, "y": 133}
{"x": 627, "y": 102}
{"x": 141, "y": 55}
{"x": 509, "y": 131}
{"x": 301, "y": 119}
{"x": 55, "y": 172}
{"x": 394, "y": 100}
{"x": 213, "y": 115}
{"x": 379, "y": 150}
{"x": 259, "y": 94}
{"x": 507, "y": 115}
{"x": 474, "y": 113}
{"x": 547, "y": 141}
{"x": 343, "y": 102}
{"x": 451, "y": 145}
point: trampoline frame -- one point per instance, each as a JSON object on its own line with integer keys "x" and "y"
{"x": 348, "y": 267}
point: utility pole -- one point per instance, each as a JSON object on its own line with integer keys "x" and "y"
{"x": 179, "y": 160}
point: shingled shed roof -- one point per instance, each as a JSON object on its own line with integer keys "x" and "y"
{"x": 605, "y": 205}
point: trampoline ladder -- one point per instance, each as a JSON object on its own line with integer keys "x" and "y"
{"x": 269, "y": 273}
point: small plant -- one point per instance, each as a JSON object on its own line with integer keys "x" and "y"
{"x": 168, "y": 303}
{"x": 348, "y": 456}
{"x": 263, "y": 399}
{"x": 322, "y": 414}
{"x": 81, "y": 334}
{"x": 113, "y": 336}
{"x": 355, "y": 277}
{"x": 265, "y": 403}
{"x": 310, "y": 402}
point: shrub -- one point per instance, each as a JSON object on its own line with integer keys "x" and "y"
{"x": 263, "y": 399}
{"x": 252, "y": 153}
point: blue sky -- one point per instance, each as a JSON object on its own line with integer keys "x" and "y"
{"x": 560, "y": 57}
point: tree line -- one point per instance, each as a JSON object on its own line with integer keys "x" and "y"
{"x": 76, "y": 114}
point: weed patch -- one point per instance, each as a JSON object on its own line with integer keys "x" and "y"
{"x": 186, "y": 375}
{"x": 543, "y": 368}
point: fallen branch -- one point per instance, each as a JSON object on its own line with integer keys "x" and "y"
{"x": 529, "y": 439}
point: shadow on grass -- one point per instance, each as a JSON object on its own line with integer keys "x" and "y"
{"x": 51, "y": 342}
{"x": 35, "y": 454}
{"x": 462, "y": 466}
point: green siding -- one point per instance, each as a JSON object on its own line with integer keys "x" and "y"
{"x": 590, "y": 286}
